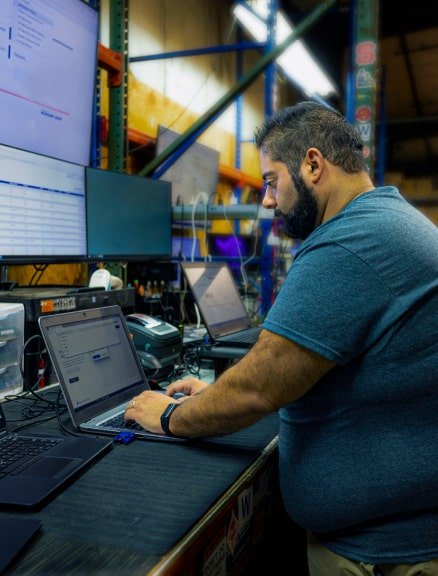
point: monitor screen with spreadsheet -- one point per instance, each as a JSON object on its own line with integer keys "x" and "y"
{"x": 42, "y": 209}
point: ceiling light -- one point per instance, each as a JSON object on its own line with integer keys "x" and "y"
{"x": 296, "y": 61}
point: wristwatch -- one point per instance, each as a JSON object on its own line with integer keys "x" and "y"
{"x": 165, "y": 417}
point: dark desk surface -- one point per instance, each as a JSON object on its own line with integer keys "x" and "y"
{"x": 132, "y": 506}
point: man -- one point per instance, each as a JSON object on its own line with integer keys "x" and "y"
{"x": 348, "y": 354}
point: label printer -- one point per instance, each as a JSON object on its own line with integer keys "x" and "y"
{"x": 158, "y": 343}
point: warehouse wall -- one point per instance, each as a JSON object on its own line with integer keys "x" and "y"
{"x": 175, "y": 92}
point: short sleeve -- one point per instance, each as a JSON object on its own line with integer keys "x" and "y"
{"x": 332, "y": 303}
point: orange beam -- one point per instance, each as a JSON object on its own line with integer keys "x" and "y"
{"x": 238, "y": 178}
{"x": 111, "y": 61}
{"x": 140, "y": 138}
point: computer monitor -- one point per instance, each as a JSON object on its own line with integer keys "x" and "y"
{"x": 48, "y": 55}
{"x": 129, "y": 217}
{"x": 42, "y": 209}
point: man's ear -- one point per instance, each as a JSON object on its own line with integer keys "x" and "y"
{"x": 313, "y": 163}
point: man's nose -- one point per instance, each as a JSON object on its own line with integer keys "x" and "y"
{"x": 269, "y": 200}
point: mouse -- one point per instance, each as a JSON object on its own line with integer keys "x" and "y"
{"x": 148, "y": 360}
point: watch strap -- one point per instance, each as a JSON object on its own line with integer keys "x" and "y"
{"x": 165, "y": 417}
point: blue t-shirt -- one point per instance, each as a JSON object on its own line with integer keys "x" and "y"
{"x": 359, "y": 452}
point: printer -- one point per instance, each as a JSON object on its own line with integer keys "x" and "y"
{"x": 158, "y": 344}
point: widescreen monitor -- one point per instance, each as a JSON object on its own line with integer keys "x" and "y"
{"x": 129, "y": 217}
{"x": 48, "y": 55}
{"x": 42, "y": 209}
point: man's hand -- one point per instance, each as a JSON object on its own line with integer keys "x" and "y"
{"x": 188, "y": 386}
{"x": 146, "y": 410}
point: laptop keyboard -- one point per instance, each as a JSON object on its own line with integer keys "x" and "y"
{"x": 17, "y": 451}
{"x": 247, "y": 336}
{"x": 120, "y": 422}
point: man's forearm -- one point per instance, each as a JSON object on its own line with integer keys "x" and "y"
{"x": 219, "y": 409}
{"x": 275, "y": 372}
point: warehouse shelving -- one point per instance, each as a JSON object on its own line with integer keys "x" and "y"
{"x": 111, "y": 60}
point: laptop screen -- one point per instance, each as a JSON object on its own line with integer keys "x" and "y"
{"x": 93, "y": 359}
{"x": 216, "y": 294}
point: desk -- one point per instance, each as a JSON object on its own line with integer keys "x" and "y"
{"x": 158, "y": 509}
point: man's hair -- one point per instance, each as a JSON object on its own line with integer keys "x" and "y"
{"x": 287, "y": 136}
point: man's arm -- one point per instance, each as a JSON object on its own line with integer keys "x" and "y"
{"x": 275, "y": 372}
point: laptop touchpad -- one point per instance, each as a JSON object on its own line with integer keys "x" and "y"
{"x": 52, "y": 467}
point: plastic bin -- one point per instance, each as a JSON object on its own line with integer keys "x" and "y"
{"x": 11, "y": 344}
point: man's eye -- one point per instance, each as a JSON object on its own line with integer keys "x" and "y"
{"x": 270, "y": 184}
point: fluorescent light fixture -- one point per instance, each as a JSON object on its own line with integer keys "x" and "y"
{"x": 296, "y": 61}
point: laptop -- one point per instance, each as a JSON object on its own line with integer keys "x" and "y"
{"x": 42, "y": 463}
{"x": 220, "y": 305}
{"x": 15, "y": 535}
{"x": 98, "y": 369}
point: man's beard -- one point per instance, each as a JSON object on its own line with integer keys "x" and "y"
{"x": 300, "y": 221}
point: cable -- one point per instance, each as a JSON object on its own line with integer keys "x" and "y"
{"x": 193, "y": 226}
{"x": 58, "y": 416}
{"x": 36, "y": 405}
{"x": 182, "y": 296}
{"x": 192, "y": 360}
{"x": 38, "y": 268}
{"x": 27, "y": 386}
{"x": 33, "y": 423}
{"x": 31, "y": 407}
{"x": 236, "y": 240}
{"x": 255, "y": 236}
{"x": 198, "y": 316}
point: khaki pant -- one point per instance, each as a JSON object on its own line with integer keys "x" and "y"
{"x": 324, "y": 562}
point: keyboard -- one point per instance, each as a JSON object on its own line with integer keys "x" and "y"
{"x": 17, "y": 451}
{"x": 120, "y": 422}
{"x": 247, "y": 336}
